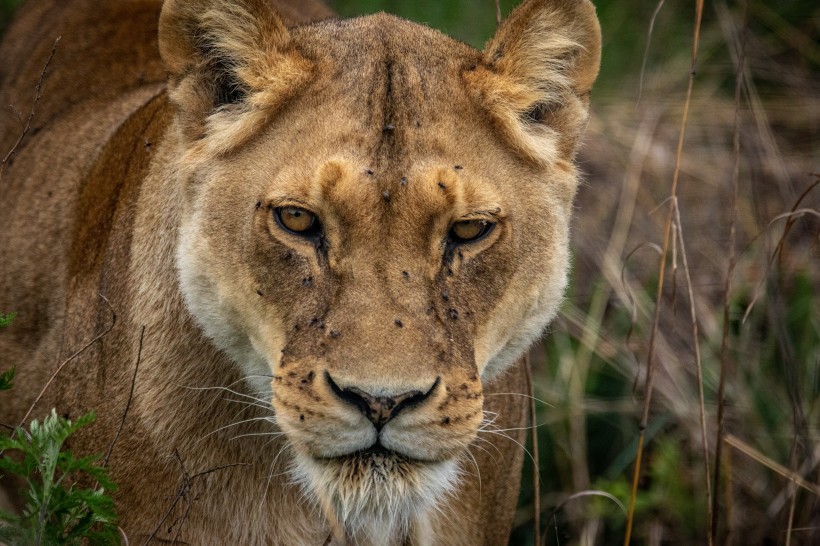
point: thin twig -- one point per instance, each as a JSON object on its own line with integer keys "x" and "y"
{"x": 792, "y": 491}
{"x": 646, "y": 51}
{"x": 69, "y": 359}
{"x": 633, "y": 306}
{"x": 792, "y": 216}
{"x": 591, "y": 493}
{"x": 38, "y": 93}
{"x": 699, "y": 369}
{"x": 498, "y": 12}
{"x": 594, "y": 317}
{"x": 128, "y": 403}
{"x": 184, "y": 488}
{"x": 650, "y": 360}
{"x": 536, "y": 473}
{"x": 725, "y": 365}
{"x": 769, "y": 463}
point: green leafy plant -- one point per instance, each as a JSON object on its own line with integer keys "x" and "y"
{"x": 58, "y": 508}
{"x": 7, "y": 376}
{"x": 5, "y": 320}
{"x": 6, "y": 379}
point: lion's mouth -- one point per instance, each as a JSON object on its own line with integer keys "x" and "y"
{"x": 376, "y": 460}
{"x": 377, "y": 450}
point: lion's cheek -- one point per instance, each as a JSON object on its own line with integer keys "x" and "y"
{"x": 228, "y": 310}
{"x": 519, "y": 319}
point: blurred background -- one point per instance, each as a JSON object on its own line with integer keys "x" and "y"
{"x": 749, "y": 163}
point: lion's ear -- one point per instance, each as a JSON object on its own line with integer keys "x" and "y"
{"x": 230, "y": 64}
{"x": 536, "y": 75}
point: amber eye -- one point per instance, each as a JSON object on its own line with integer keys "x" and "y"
{"x": 297, "y": 220}
{"x": 467, "y": 231}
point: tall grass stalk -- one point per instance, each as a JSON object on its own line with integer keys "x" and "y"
{"x": 650, "y": 359}
{"x": 725, "y": 364}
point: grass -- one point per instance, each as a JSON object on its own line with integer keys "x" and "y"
{"x": 748, "y": 155}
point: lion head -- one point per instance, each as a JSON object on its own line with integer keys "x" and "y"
{"x": 376, "y": 224}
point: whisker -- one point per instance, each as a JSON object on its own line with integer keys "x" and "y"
{"x": 478, "y": 474}
{"x": 487, "y": 423}
{"x": 232, "y": 391}
{"x": 270, "y": 470}
{"x": 271, "y": 434}
{"x": 233, "y": 425}
{"x": 487, "y": 451}
{"x": 519, "y": 444}
{"x": 494, "y": 418}
{"x": 530, "y": 427}
{"x": 519, "y": 394}
{"x": 241, "y": 413}
{"x": 267, "y": 407}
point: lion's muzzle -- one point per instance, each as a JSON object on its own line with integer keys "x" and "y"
{"x": 380, "y": 409}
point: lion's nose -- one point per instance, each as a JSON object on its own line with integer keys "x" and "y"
{"x": 380, "y": 409}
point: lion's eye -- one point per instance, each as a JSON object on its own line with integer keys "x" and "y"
{"x": 467, "y": 231}
{"x": 297, "y": 220}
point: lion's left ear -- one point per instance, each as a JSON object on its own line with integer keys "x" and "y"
{"x": 536, "y": 76}
{"x": 231, "y": 66}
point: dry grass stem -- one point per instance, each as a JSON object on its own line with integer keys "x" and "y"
{"x": 754, "y": 454}
{"x": 699, "y": 373}
{"x": 38, "y": 93}
{"x": 791, "y": 217}
{"x": 536, "y": 474}
{"x": 65, "y": 362}
{"x": 725, "y": 365}
{"x": 128, "y": 402}
{"x": 183, "y": 494}
{"x": 650, "y": 360}
{"x": 649, "y": 33}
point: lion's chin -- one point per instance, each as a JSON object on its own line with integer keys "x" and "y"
{"x": 376, "y": 496}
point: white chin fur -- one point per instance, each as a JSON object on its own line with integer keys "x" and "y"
{"x": 377, "y": 501}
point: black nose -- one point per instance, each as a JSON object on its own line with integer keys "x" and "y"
{"x": 379, "y": 409}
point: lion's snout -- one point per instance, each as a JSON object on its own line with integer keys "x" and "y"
{"x": 336, "y": 413}
{"x": 379, "y": 409}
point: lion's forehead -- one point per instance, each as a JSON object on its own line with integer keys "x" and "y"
{"x": 380, "y": 49}
{"x": 396, "y": 85}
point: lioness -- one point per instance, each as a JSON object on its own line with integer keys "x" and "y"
{"x": 295, "y": 265}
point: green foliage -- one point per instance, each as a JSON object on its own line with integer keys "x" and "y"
{"x": 6, "y": 379}
{"x": 667, "y": 495}
{"x": 7, "y": 376}
{"x": 58, "y": 509}
{"x": 5, "y": 320}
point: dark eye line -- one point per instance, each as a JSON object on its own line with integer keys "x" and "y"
{"x": 314, "y": 231}
{"x": 488, "y": 227}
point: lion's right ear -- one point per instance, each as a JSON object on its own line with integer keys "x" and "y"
{"x": 536, "y": 75}
{"x": 231, "y": 66}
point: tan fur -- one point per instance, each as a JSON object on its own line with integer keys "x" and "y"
{"x": 161, "y": 198}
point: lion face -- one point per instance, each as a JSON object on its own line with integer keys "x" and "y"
{"x": 376, "y": 224}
